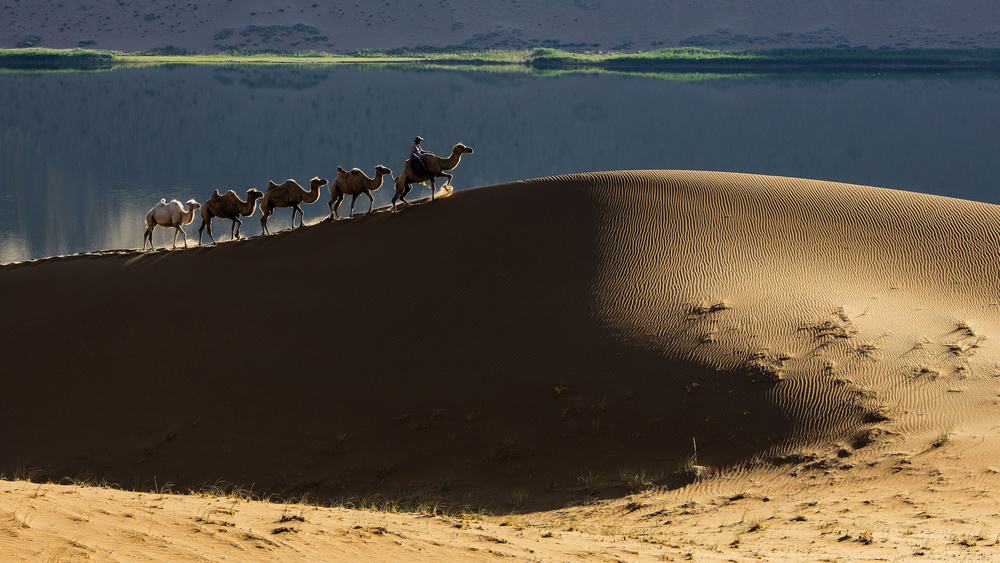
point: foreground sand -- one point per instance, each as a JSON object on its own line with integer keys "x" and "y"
{"x": 819, "y": 354}
{"x": 927, "y": 507}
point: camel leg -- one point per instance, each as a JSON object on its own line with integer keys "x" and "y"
{"x": 433, "y": 189}
{"x": 336, "y": 206}
{"x": 402, "y": 195}
{"x": 234, "y": 233}
{"x": 201, "y": 229}
{"x": 301, "y": 215}
{"x": 183, "y": 236}
{"x": 263, "y": 225}
{"x": 354, "y": 199}
{"x": 447, "y": 183}
{"x": 371, "y": 201}
{"x": 175, "y": 238}
{"x": 148, "y": 234}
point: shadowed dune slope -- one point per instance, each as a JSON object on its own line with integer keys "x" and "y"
{"x": 510, "y": 337}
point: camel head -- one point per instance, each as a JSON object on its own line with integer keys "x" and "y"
{"x": 460, "y": 148}
{"x": 379, "y": 169}
{"x": 254, "y": 194}
{"x": 317, "y": 183}
{"x": 192, "y": 204}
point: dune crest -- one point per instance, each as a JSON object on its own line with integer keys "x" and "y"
{"x": 525, "y": 335}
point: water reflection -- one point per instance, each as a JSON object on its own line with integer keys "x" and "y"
{"x": 84, "y": 156}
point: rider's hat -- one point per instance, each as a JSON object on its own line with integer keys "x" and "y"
{"x": 418, "y": 139}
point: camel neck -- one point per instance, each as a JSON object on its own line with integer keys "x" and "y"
{"x": 452, "y": 160}
{"x": 247, "y": 208}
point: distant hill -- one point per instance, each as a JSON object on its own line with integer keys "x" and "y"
{"x": 605, "y": 25}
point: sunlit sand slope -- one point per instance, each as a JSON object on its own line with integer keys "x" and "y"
{"x": 517, "y": 337}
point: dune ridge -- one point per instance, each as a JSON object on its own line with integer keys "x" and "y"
{"x": 513, "y": 337}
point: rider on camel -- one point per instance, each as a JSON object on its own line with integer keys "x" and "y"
{"x": 416, "y": 157}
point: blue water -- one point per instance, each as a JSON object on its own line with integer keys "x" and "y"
{"x": 83, "y": 156}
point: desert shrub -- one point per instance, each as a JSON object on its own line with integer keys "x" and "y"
{"x": 29, "y": 41}
{"x": 303, "y": 28}
{"x": 168, "y": 51}
{"x": 634, "y": 480}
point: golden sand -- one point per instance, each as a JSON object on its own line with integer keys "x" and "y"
{"x": 526, "y": 347}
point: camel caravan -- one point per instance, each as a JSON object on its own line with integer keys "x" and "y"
{"x": 422, "y": 167}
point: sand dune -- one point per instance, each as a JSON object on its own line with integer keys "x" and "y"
{"x": 524, "y": 348}
{"x": 511, "y": 339}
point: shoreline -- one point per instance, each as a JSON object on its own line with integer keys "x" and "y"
{"x": 679, "y": 59}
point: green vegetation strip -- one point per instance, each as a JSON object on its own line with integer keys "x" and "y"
{"x": 676, "y": 59}
{"x": 684, "y": 58}
{"x": 54, "y": 58}
{"x": 88, "y": 60}
{"x": 690, "y": 57}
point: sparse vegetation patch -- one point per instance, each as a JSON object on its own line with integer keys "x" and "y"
{"x": 29, "y": 41}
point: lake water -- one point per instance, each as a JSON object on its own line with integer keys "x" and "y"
{"x": 83, "y": 156}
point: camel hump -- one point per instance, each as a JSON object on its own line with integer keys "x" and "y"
{"x": 355, "y": 170}
{"x": 341, "y": 170}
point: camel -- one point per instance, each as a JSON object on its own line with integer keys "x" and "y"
{"x": 228, "y": 206}
{"x": 288, "y": 194}
{"x": 170, "y": 214}
{"x": 436, "y": 167}
{"x": 354, "y": 183}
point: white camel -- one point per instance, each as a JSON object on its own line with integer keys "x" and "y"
{"x": 169, "y": 214}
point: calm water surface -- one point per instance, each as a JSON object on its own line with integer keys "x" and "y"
{"x": 83, "y": 156}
